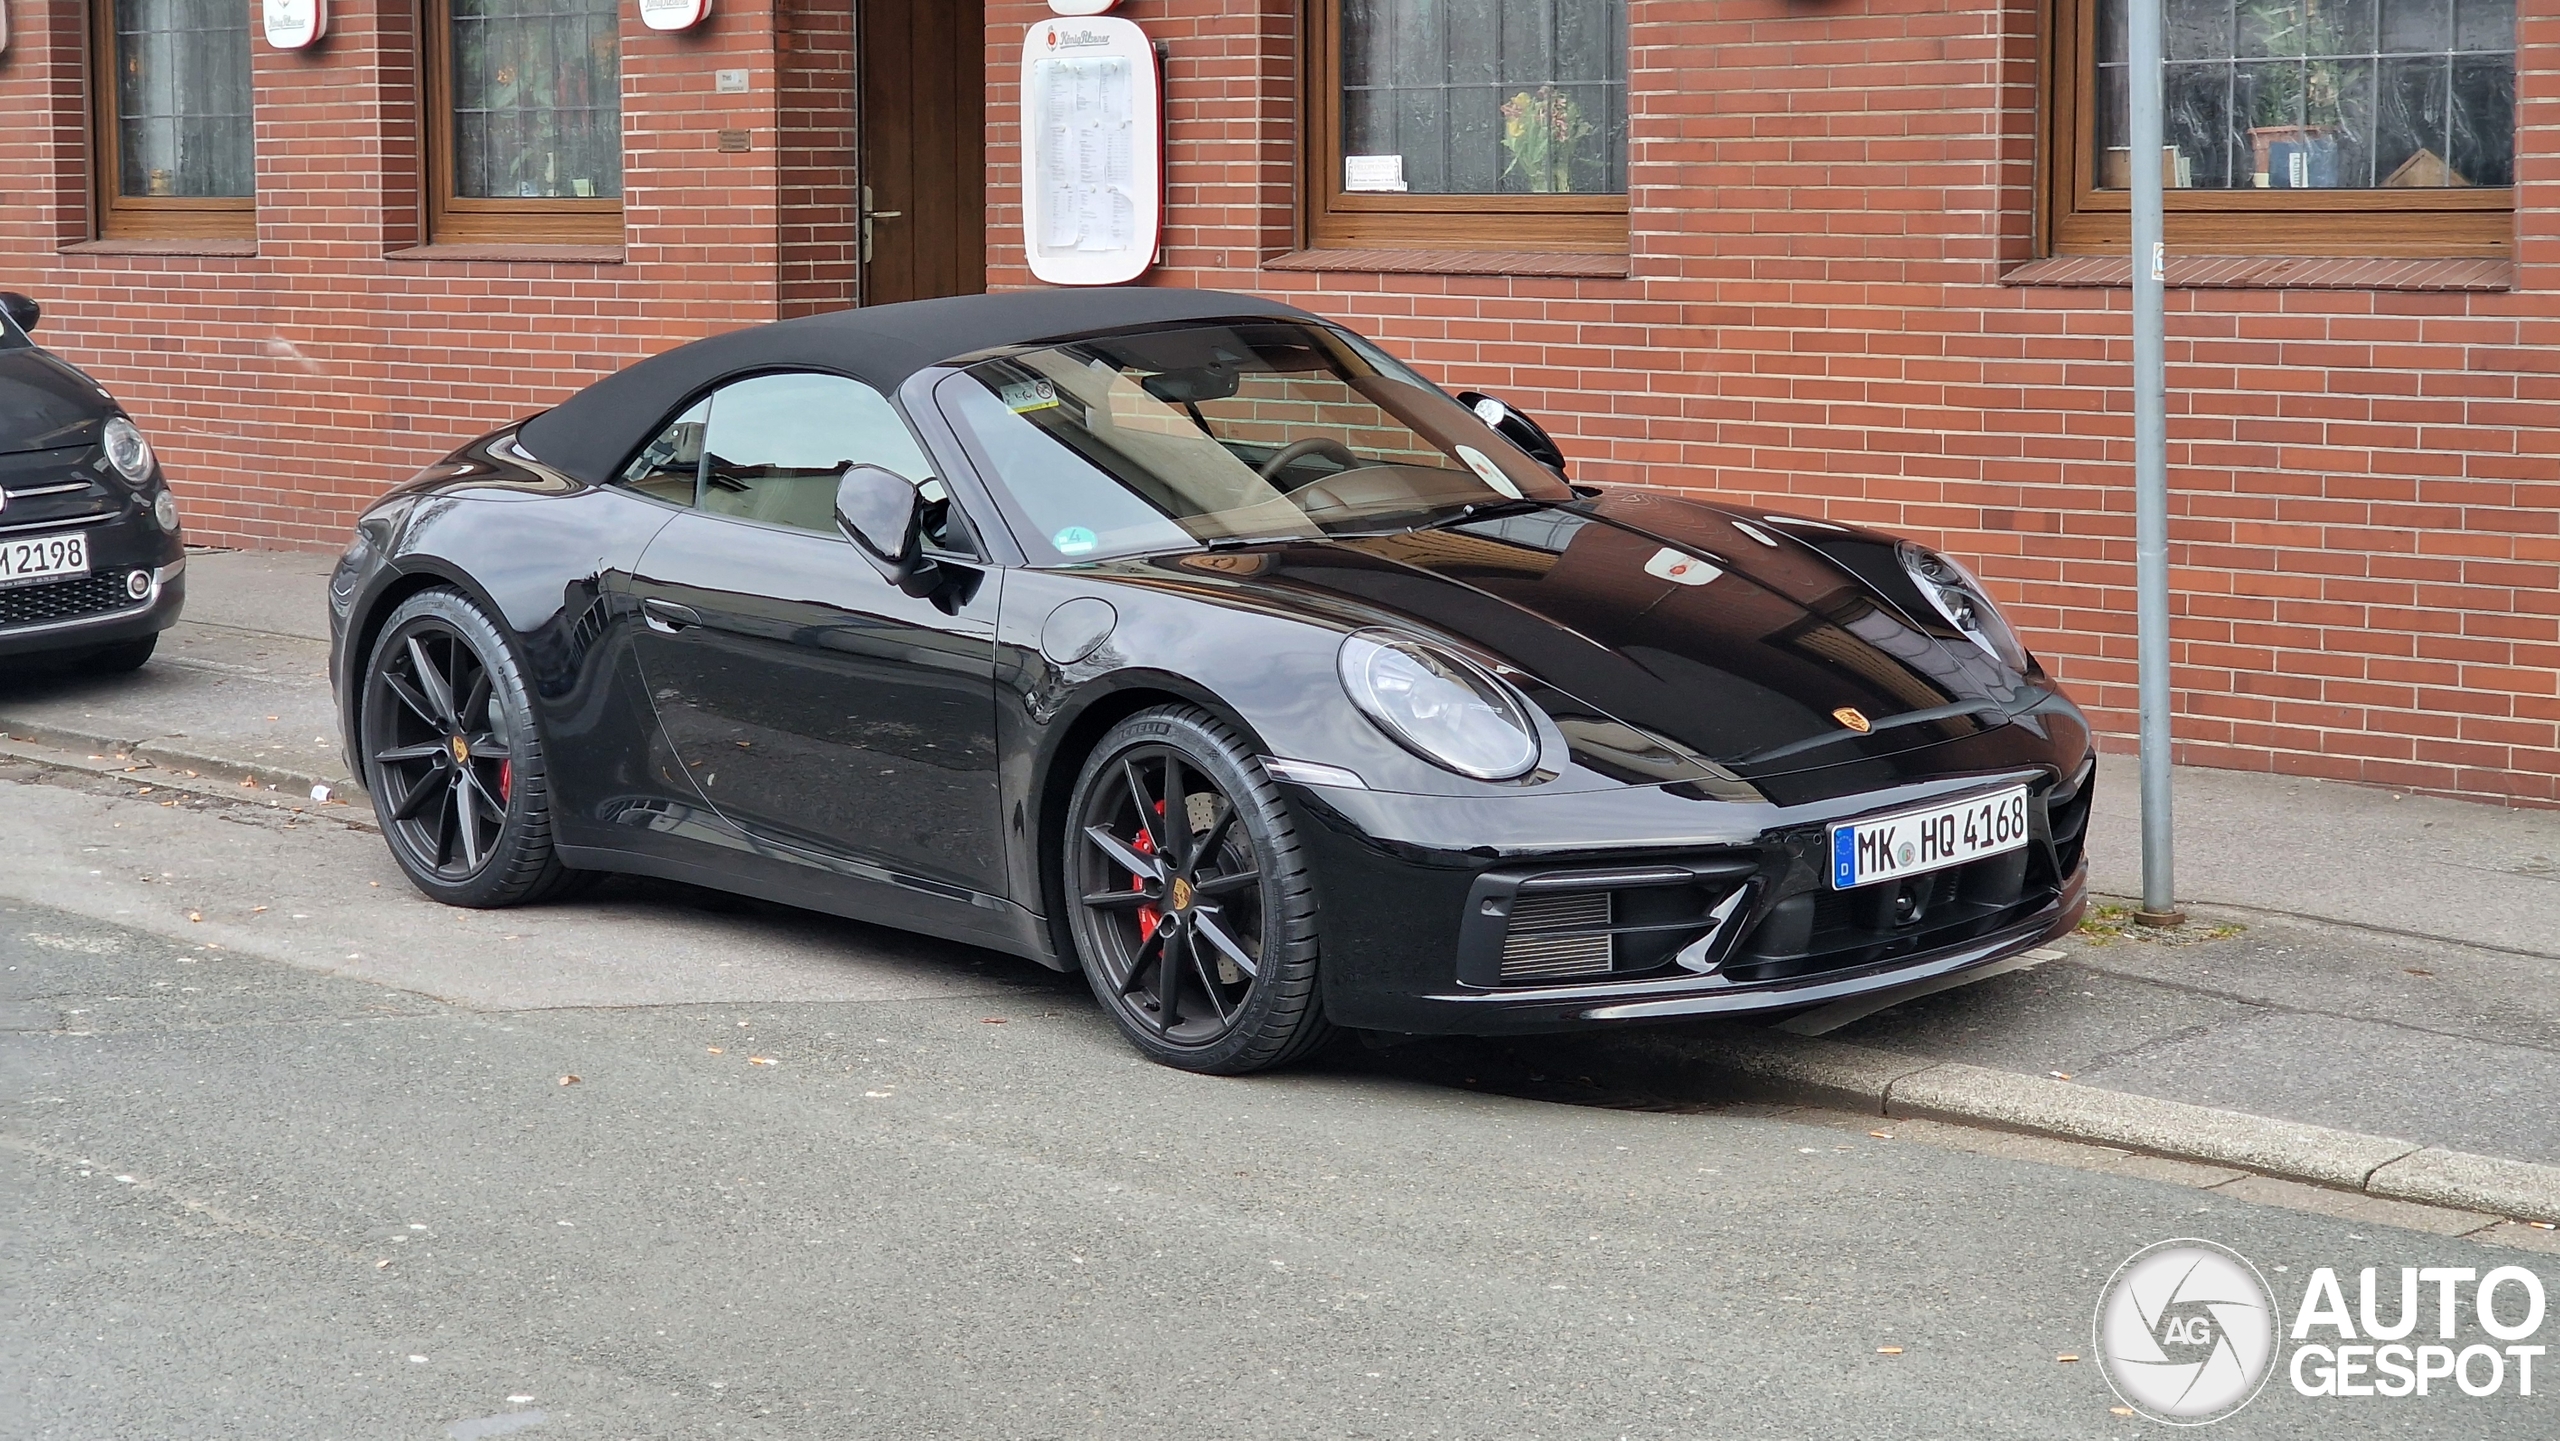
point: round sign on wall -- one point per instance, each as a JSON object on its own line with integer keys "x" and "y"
{"x": 1080, "y": 7}
{"x": 295, "y": 24}
{"x": 674, "y": 14}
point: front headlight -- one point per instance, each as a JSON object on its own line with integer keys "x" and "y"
{"x": 1440, "y": 706}
{"x": 164, "y": 509}
{"x": 1959, "y": 596}
{"x": 127, "y": 451}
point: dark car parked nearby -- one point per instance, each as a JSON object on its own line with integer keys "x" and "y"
{"x": 1190, "y": 640}
{"x": 90, "y": 562}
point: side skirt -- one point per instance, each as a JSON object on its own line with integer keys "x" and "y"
{"x": 1004, "y": 927}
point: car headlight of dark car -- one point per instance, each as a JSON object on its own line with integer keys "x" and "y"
{"x": 1958, "y": 595}
{"x": 127, "y": 451}
{"x": 1439, "y": 705}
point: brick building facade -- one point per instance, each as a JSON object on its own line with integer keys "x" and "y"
{"x": 1844, "y": 285}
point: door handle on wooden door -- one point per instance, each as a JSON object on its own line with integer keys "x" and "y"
{"x": 869, "y": 215}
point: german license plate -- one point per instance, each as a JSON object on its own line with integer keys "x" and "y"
{"x": 1932, "y": 839}
{"x": 46, "y": 557}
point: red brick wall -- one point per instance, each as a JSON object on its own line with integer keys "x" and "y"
{"x": 285, "y": 388}
{"x": 814, "y": 133}
{"x": 2366, "y": 526}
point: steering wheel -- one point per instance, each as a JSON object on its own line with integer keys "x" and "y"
{"x": 1298, "y": 450}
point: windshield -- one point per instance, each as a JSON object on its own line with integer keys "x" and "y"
{"x": 1196, "y": 435}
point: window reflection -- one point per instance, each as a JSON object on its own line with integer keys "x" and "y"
{"x": 182, "y": 99}
{"x": 2321, "y": 94}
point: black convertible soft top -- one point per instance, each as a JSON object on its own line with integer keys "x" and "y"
{"x": 591, "y": 433}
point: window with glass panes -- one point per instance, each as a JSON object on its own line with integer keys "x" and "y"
{"x": 175, "y": 132}
{"x": 2325, "y": 126}
{"x": 528, "y": 110}
{"x": 1429, "y": 115}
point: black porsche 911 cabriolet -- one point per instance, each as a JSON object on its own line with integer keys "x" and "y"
{"x": 1190, "y": 640}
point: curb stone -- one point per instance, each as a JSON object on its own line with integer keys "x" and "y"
{"x": 348, "y": 807}
{"x": 2459, "y": 1179}
{"x": 298, "y": 783}
{"x": 1740, "y": 1061}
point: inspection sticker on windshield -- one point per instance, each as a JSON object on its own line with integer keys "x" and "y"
{"x": 1024, "y": 396}
{"x": 1917, "y": 842}
{"x": 1075, "y": 540}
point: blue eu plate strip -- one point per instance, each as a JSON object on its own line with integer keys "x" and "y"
{"x": 1844, "y": 857}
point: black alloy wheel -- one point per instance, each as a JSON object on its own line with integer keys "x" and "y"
{"x": 453, "y": 758}
{"x": 1191, "y": 905}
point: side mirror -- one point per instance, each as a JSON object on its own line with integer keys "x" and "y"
{"x": 881, "y": 513}
{"x": 1515, "y": 426}
{"x": 22, "y": 310}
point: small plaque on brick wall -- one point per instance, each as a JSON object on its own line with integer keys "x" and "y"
{"x": 733, "y": 140}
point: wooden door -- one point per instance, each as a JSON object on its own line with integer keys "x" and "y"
{"x": 923, "y": 125}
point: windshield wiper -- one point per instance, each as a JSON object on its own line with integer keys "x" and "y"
{"x": 1489, "y": 510}
{"x": 1239, "y": 542}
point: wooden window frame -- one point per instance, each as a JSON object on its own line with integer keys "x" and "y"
{"x": 148, "y": 217}
{"x": 494, "y": 220}
{"x": 1331, "y": 218}
{"x": 2081, "y": 219}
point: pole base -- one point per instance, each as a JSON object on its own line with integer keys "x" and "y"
{"x": 2162, "y": 920}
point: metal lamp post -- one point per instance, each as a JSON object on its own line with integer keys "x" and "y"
{"x": 2151, "y": 463}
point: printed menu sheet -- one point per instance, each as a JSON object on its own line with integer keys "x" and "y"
{"x": 1087, "y": 167}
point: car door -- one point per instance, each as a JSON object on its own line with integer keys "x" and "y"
{"x": 847, "y": 726}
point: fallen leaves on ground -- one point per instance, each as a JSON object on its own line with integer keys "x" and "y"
{"x": 569, "y": 1080}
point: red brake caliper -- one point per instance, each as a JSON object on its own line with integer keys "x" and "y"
{"x": 1149, "y": 915}
{"x": 506, "y": 779}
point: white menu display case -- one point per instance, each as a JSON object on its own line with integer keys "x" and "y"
{"x": 1093, "y": 151}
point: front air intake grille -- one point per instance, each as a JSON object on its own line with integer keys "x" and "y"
{"x": 1556, "y": 936}
{"x": 62, "y": 600}
{"x": 55, "y": 487}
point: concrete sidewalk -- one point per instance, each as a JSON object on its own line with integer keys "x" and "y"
{"x": 239, "y": 687}
{"x": 2376, "y": 964}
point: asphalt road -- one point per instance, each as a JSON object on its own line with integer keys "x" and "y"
{"x": 291, "y": 1155}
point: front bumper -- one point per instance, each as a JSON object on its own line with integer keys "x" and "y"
{"x": 1712, "y": 908}
{"x": 70, "y": 615}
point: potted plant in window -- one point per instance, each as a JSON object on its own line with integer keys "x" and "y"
{"x": 2294, "y": 112}
{"x": 1541, "y": 131}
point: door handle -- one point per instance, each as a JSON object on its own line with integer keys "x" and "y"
{"x": 667, "y": 617}
{"x": 869, "y": 215}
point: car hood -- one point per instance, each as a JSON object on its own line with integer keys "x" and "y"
{"x": 1728, "y": 641}
{"x": 45, "y": 404}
